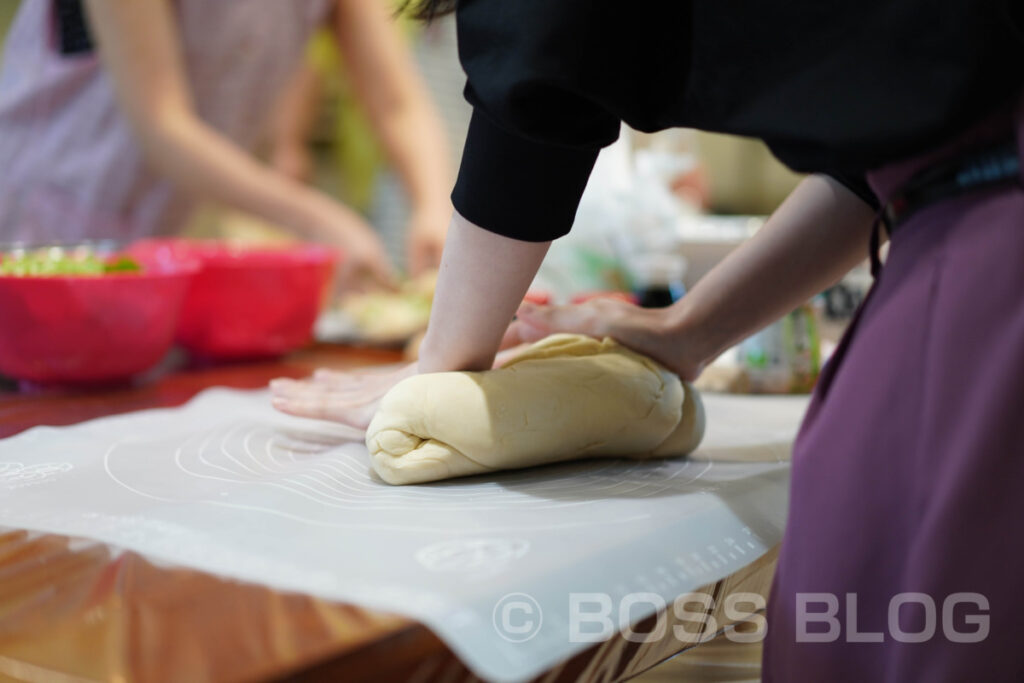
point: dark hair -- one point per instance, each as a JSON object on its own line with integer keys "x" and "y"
{"x": 427, "y": 10}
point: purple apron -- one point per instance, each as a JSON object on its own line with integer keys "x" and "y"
{"x": 902, "y": 558}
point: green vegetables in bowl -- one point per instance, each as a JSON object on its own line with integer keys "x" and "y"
{"x": 57, "y": 261}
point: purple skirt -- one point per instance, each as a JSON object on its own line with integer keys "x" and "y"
{"x": 903, "y": 556}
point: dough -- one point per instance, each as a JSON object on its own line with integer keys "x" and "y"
{"x": 565, "y": 397}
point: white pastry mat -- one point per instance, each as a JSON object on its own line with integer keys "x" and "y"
{"x": 227, "y": 485}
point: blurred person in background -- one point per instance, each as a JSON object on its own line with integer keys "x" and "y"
{"x": 118, "y": 116}
{"x": 323, "y": 135}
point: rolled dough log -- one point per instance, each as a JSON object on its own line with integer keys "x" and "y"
{"x": 565, "y": 397}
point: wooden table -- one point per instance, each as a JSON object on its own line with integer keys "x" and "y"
{"x": 73, "y": 610}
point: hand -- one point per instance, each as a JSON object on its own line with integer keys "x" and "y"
{"x": 350, "y": 398}
{"x": 654, "y": 332}
{"x": 425, "y": 238}
{"x": 365, "y": 262}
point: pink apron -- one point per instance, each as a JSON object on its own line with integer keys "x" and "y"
{"x": 71, "y": 166}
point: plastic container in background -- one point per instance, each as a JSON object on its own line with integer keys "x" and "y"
{"x": 248, "y": 302}
{"x": 706, "y": 240}
{"x": 90, "y": 329}
{"x": 785, "y": 357}
{"x": 657, "y": 278}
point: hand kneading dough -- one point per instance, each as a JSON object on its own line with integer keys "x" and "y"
{"x": 565, "y": 397}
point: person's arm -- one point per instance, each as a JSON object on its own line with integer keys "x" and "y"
{"x": 293, "y": 123}
{"x": 139, "y": 46}
{"x": 814, "y": 238}
{"x": 526, "y": 161}
{"x": 818, "y": 234}
{"x": 398, "y": 107}
{"x": 482, "y": 280}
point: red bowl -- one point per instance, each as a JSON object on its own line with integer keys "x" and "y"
{"x": 81, "y": 330}
{"x": 248, "y": 302}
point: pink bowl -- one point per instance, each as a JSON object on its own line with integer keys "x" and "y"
{"x": 80, "y": 329}
{"x": 248, "y": 302}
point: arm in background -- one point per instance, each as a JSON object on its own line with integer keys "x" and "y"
{"x": 139, "y": 45}
{"x": 403, "y": 117}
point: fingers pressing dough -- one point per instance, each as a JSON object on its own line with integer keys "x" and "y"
{"x": 567, "y": 396}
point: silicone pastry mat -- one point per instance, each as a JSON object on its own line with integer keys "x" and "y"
{"x": 226, "y": 485}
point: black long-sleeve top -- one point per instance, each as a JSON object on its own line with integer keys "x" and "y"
{"x": 832, "y": 87}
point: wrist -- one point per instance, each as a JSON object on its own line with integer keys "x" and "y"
{"x": 429, "y": 359}
{"x": 689, "y": 330}
{"x": 445, "y": 356}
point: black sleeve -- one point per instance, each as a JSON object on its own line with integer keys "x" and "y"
{"x": 550, "y": 81}
{"x": 517, "y": 187}
{"x": 858, "y": 184}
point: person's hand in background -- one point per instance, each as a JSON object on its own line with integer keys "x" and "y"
{"x": 385, "y": 82}
{"x": 365, "y": 263}
{"x": 383, "y": 79}
{"x": 425, "y": 238}
{"x": 140, "y": 46}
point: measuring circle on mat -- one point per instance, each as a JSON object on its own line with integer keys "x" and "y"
{"x": 316, "y": 478}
